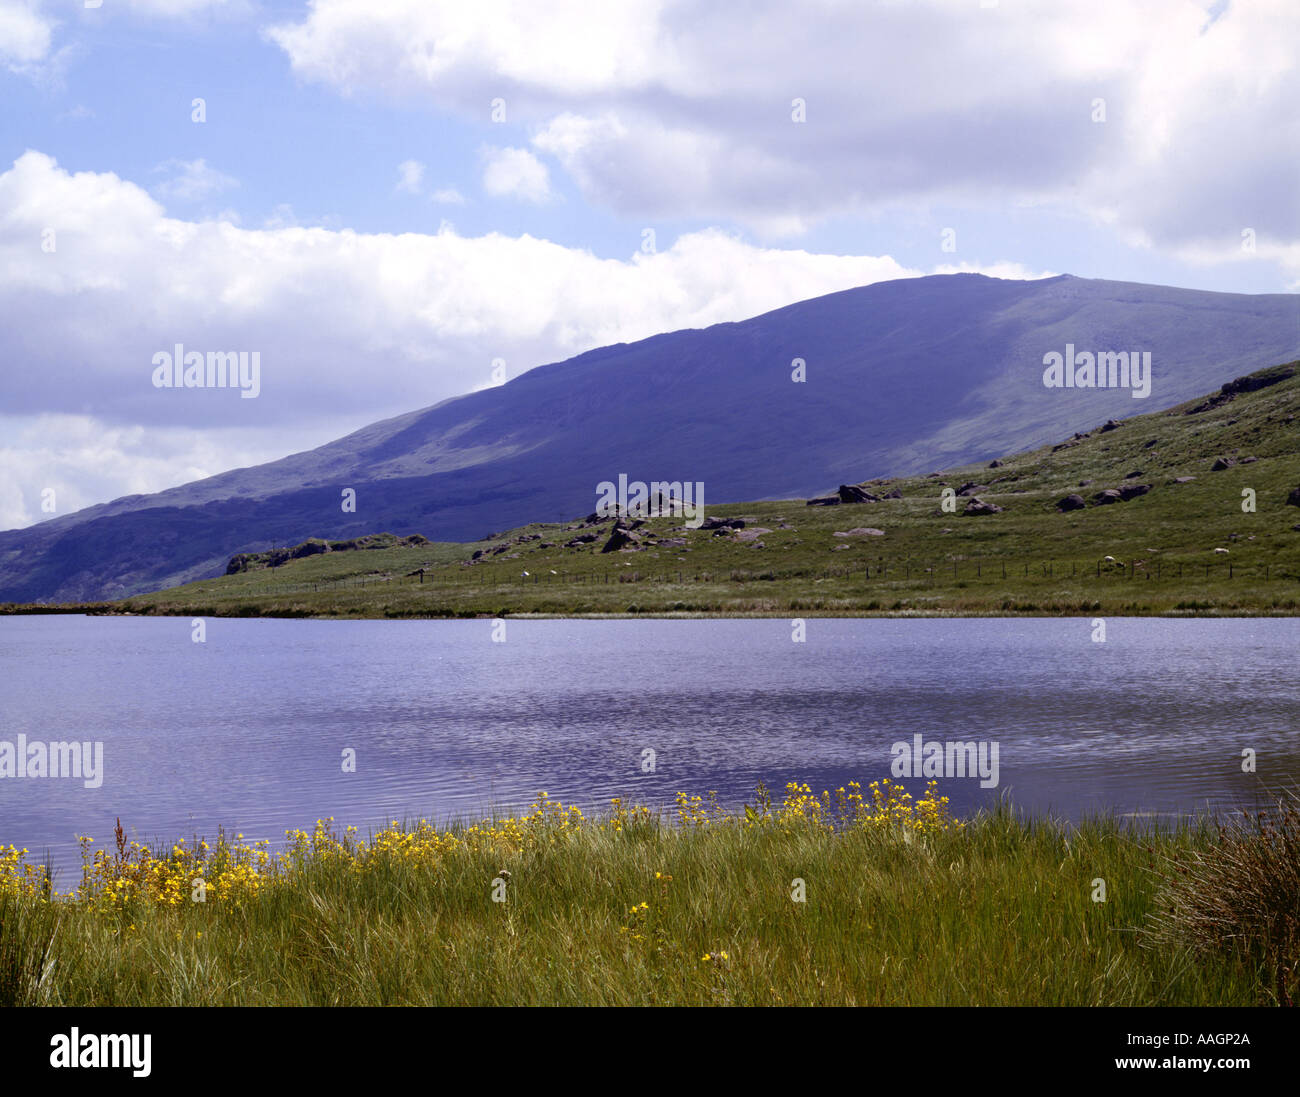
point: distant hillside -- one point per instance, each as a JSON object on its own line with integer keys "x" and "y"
{"x": 902, "y": 377}
{"x": 1140, "y": 516}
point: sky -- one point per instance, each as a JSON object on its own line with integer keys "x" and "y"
{"x": 393, "y": 202}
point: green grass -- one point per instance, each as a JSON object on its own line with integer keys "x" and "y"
{"x": 1030, "y": 559}
{"x": 999, "y": 913}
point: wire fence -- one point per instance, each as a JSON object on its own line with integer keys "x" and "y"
{"x": 906, "y": 571}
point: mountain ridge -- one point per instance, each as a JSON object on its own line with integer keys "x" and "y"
{"x": 902, "y": 375}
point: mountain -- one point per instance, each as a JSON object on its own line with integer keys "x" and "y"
{"x": 901, "y": 377}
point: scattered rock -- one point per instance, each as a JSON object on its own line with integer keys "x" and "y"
{"x": 824, "y": 501}
{"x": 1109, "y": 425}
{"x": 1084, "y": 483}
{"x": 620, "y": 538}
{"x": 1109, "y": 495}
{"x": 752, "y": 534}
{"x": 1223, "y": 463}
{"x": 851, "y": 493}
{"x": 895, "y": 494}
{"x": 1183, "y": 479}
{"x": 1132, "y": 491}
{"x": 977, "y": 507}
{"x": 1248, "y": 460}
{"x": 861, "y": 531}
{"x": 1133, "y": 475}
{"x": 1071, "y": 502}
{"x": 970, "y": 488}
{"x": 995, "y": 464}
{"x": 579, "y": 541}
{"x": 723, "y": 523}
{"x": 1293, "y": 500}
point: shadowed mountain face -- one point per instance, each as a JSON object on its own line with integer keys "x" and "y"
{"x": 901, "y": 377}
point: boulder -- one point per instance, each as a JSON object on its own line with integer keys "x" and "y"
{"x": 1109, "y": 495}
{"x": 851, "y": 493}
{"x": 995, "y": 464}
{"x": 861, "y": 531}
{"x": 723, "y": 523}
{"x": 977, "y": 507}
{"x": 1183, "y": 479}
{"x": 1132, "y": 491}
{"x": 1109, "y": 425}
{"x": 895, "y": 494}
{"x": 1293, "y": 500}
{"x": 971, "y": 488}
{"x": 1223, "y": 463}
{"x": 621, "y": 537}
{"x": 580, "y": 540}
{"x": 1071, "y": 502}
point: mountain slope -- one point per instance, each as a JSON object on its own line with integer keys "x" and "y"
{"x": 901, "y": 377}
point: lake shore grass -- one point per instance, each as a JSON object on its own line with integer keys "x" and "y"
{"x": 845, "y": 898}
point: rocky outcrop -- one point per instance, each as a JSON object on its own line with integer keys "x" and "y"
{"x": 314, "y": 546}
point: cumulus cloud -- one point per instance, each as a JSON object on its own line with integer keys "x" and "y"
{"x": 515, "y": 173}
{"x": 935, "y": 100}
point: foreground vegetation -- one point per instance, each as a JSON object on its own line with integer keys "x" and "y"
{"x": 900, "y": 905}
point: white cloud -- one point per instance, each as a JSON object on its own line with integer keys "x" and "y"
{"x": 515, "y": 173}
{"x": 410, "y": 176}
{"x": 25, "y": 33}
{"x": 448, "y": 196}
{"x": 191, "y": 180}
{"x": 683, "y": 109}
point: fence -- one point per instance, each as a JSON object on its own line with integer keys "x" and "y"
{"x": 879, "y": 572}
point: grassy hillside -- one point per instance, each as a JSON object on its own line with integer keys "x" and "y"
{"x": 1184, "y": 546}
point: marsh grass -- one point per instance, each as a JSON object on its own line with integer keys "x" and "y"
{"x": 1240, "y": 896}
{"x": 996, "y": 911}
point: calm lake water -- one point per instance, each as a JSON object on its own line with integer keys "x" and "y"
{"x": 248, "y": 728}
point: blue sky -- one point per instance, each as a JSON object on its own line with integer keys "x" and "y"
{"x": 350, "y": 209}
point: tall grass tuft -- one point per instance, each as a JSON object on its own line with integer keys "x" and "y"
{"x": 1240, "y": 896}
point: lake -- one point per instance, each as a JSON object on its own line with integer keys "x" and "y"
{"x": 249, "y": 728}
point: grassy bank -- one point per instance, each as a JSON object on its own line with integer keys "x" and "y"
{"x": 902, "y": 906}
